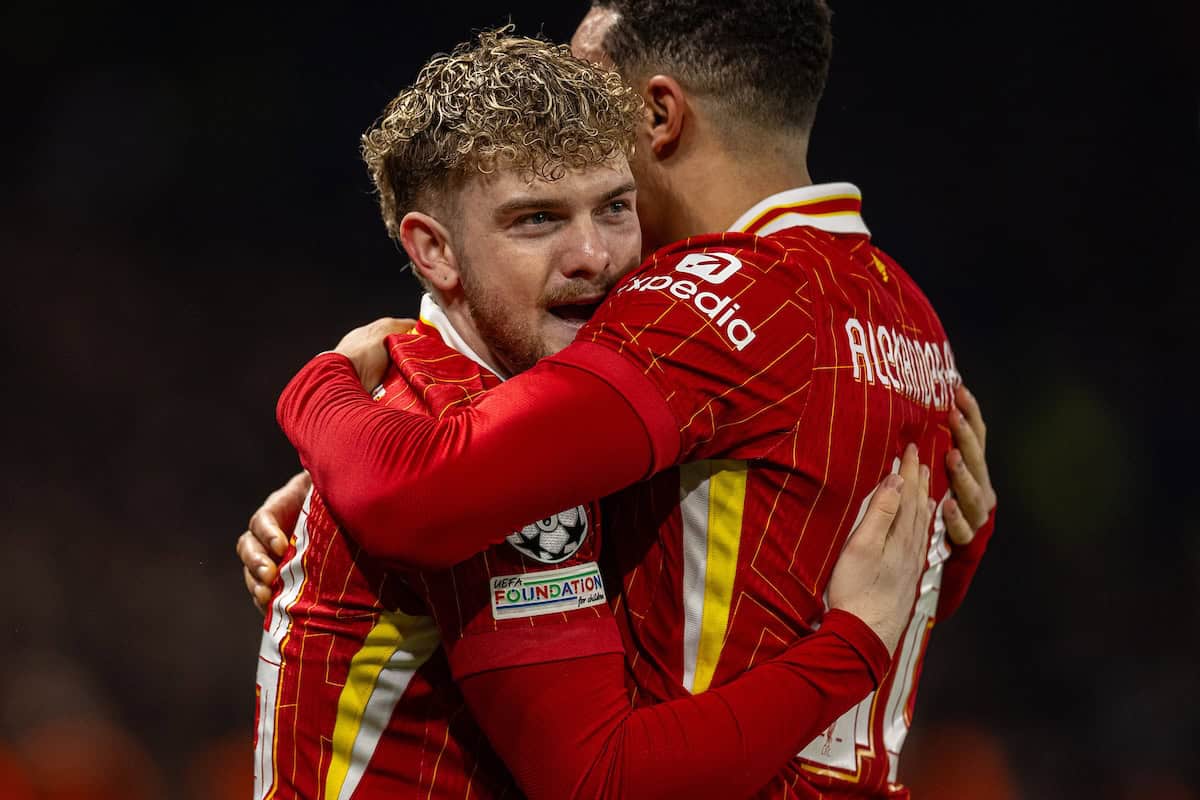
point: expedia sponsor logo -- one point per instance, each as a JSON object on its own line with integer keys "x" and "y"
{"x": 547, "y": 592}
{"x": 712, "y": 268}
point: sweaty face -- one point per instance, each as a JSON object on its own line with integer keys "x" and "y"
{"x": 536, "y": 257}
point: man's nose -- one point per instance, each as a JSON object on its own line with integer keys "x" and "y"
{"x": 588, "y": 255}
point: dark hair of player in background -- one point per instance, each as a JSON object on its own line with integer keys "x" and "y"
{"x": 760, "y": 61}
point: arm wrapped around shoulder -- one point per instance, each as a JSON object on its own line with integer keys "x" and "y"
{"x": 431, "y": 492}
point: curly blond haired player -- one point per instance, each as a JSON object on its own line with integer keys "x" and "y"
{"x": 503, "y": 172}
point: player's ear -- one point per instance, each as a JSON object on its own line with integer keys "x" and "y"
{"x": 431, "y": 249}
{"x": 666, "y": 105}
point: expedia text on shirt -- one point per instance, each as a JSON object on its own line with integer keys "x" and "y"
{"x": 711, "y": 268}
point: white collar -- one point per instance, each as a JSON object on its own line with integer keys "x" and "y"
{"x": 832, "y": 207}
{"x": 433, "y": 316}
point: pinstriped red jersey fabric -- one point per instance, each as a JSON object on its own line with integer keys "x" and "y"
{"x": 797, "y": 365}
{"x": 503, "y": 606}
{"x": 355, "y": 695}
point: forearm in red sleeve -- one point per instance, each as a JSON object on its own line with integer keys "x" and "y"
{"x": 565, "y": 729}
{"x": 960, "y": 569}
{"x": 431, "y": 492}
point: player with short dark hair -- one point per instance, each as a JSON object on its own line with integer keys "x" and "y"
{"x": 769, "y": 372}
{"x": 760, "y": 64}
{"x": 754, "y": 71}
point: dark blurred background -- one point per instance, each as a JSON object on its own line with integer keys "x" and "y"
{"x": 184, "y": 220}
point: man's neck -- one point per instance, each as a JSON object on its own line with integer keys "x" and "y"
{"x": 461, "y": 334}
{"x": 720, "y": 184}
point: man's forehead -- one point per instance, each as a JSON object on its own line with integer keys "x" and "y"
{"x": 588, "y": 41}
{"x": 517, "y": 180}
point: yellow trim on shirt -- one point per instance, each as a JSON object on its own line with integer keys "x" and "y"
{"x": 366, "y": 665}
{"x": 726, "y": 504}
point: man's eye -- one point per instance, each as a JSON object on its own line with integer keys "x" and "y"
{"x": 536, "y": 218}
{"x": 618, "y": 206}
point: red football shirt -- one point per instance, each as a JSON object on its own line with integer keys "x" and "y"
{"x": 788, "y": 363}
{"x": 797, "y": 360}
{"x": 356, "y": 693}
{"x": 508, "y": 605}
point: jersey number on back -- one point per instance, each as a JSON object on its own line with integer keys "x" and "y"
{"x": 839, "y": 751}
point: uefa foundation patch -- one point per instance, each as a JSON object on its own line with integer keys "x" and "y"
{"x": 549, "y": 592}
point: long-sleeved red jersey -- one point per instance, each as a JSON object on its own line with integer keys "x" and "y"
{"x": 775, "y": 373}
{"x": 357, "y": 693}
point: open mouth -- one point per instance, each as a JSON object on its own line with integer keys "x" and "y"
{"x": 575, "y": 312}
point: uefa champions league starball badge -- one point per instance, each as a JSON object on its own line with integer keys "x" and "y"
{"x": 553, "y": 539}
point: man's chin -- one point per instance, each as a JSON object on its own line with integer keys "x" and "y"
{"x": 572, "y": 325}
{"x": 559, "y": 333}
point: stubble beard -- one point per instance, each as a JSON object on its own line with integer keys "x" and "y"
{"x": 514, "y": 345}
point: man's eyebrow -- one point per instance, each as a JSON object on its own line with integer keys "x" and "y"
{"x": 527, "y": 203}
{"x": 624, "y": 188}
{"x": 533, "y": 202}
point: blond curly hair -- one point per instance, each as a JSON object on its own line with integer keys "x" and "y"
{"x": 502, "y": 102}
